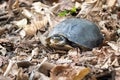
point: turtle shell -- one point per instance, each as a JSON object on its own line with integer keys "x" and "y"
{"x": 79, "y": 31}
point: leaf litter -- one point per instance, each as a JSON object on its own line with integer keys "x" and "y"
{"x": 24, "y": 54}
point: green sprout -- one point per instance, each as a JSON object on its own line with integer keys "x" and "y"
{"x": 65, "y": 12}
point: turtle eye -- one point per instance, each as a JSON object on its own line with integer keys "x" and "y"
{"x": 57, "y": 39}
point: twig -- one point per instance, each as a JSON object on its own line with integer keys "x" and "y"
{"x": 11, "y": 63}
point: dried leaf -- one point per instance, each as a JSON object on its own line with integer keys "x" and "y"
{"x": 3, "y": 50}
{"x": 12, "y": 4}
{"x": 67, "y": 72}
{"x": 22, "y": 34}
{"x": 86, "y": 7}
{"x": 108, "y": 34}
{"x": 40, "y": 8}
{"x": 118, "y": 2}
{"x": 9, "y": 68}
{"x": 42, "y": 38}
{"x": 46, "y": 67}
{"x": 2, "y": 30}
{"x": 3, "y": 60}
{"x": 21, "y": 75}
{"x": 21, "y": 23}
{"x": 24, "y": 64}
{"x": 27, "y": 14}
{"x": 34, "y": 26}
{"x": 111, "y": 3}
{"x": 74, "y": 54}
{"x": 107, "y": 64}
{"x": 82, "y": 74}
{"x": 77, "y": 5}
{"x": 63, "y": 61}
{"x": 34, "y": 52}
{"x": 38, "y": 76}
{"x": 15, "y": 4}
{"x": 114, "y": 46}
{"x": 3, "y": 6}
{"x": 5, "y": 78}
{"x": 115, "y": 62}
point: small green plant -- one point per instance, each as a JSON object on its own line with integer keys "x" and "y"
{"x": 73, "y": 10}
{"x": 65, "y": 12}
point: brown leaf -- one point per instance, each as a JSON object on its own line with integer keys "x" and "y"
{"x": 2, "y": 30}
{"x": 3, "y": 60}
{"x": 34, "y": 26}
{"x": 12, "y": 4}
{"x": 82, "y": 74}
{"x": 111, "y": 3}
{"x": 67, "y": 72}
{"x": 21, "y": 75}
{"x": 46, "y": 67}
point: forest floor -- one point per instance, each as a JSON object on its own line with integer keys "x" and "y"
{"x": 25, "y": 24}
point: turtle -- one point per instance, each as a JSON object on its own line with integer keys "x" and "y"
{"x": 75, "y": 32}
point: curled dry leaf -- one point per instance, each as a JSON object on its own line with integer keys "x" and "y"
{"x": 67, "y": 72}
{"x": 80, "y": 75}
{"x": 34, "y": 26}
{"x": 15, "y": 4}
{"x": 43, "y": 10}
{"x": 11, "y": 4}
{"x": 46, "y": 67}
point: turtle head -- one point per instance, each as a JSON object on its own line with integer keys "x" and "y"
{"x": 58, "y": 40}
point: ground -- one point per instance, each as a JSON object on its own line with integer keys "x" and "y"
{"x": 25, "y": 24}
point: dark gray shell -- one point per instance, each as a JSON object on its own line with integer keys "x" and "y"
{"x": 79, "y": 31}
